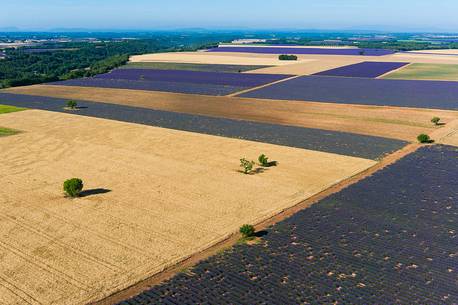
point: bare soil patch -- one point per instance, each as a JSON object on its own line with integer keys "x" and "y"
{"x": 172, "y": 194}
{"x": 391, "y": 122}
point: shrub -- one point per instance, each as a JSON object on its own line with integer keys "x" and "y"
{"x": 72, "y": 104}
{"x": 247, "y": 231}
{"x": 246, "y": 165}
{"x": 287, "y": 57}
{"x": 73, "y": 187}
{"x": 435, "y": 120}
{"x": 263, "y": 160}
{"x": 424, "y": 138}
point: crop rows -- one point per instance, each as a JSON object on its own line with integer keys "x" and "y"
{"x": 197, "y": 77}
{"x": 192, "y": 67}
{"x": 315, "y": 139}
{"x": 176, "y": 87}
{"x": 390, "y": 239}
{"x": 366, "y": 91}
{"x": 190, "y": 82}
{"x": 364, "y": 69}
{"x": 292, "y": 50}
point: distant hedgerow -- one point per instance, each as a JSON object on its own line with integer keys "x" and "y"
{"x": 287, "y": 57}
{"x": 73, "y": 187}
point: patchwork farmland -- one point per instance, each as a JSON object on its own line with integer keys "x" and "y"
{"x": 351, "y": 209}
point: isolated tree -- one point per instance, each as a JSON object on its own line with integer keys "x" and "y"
{"x": 72, "y": 104}
{"x": 435, "y": 120}
{"x": 263, "y": 160}
{"x": 424, "y": 138}
{"x": 73, "y": 187}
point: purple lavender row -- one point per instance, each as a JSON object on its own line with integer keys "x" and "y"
{"x": 364, "y": 91}
{"x": 364, "y": 69}
{"x": 196, "y": 77}
{"x": 318, "y": 51}
{"x": 188, "y": 88}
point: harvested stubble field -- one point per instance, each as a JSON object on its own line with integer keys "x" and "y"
{"x": 307, "y": 138}
{"x": 390, "y": 122}
{"x": 364, "y": 91}
{"x": 438, "y": 52}
{"x": 312, "y": 64}
{"x": 389, "y": 239}
{"x": 426, "y": 72}
{"x": 191, "y": 67}
{"x": 154, "y": 196}
{"x": 211, "y": 58}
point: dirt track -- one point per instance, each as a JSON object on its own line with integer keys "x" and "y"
{"x": 158, "y": 196}
{"x": 390, "y": 122}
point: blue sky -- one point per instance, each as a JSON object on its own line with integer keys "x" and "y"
{"x": 439, "y": 15}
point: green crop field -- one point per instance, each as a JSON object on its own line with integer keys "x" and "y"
{"x": 8, "y": 109}
{"x": 426, "y": 72}
{"x": 7, "y": 132}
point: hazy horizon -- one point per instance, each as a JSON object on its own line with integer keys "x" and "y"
{"x": 142, "y": 15}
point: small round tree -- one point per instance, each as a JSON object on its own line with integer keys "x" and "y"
{"x": 73, "y": 187}
{"x": 263, "y": 160}
{"x": 72, "y": 104}
{"x": 247, "y": 231}
{"x": 435, "y": 120}
{"x": 424, "y": 138}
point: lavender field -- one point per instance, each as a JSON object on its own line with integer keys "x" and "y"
{"x": 365, "y": 69}
{"x": 190, "y": 82}
{"x": 365, "y": 91}
{"x": 196, "y": 77}
{"x": 293, "y": 50}
{"x": 176, "y": 87}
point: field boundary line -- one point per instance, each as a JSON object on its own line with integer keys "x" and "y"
{"x": 393, "y": 71}
{"x": 262, "y": 86}
{"x": 232, "y": 239}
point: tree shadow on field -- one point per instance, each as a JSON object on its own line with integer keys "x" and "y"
{"x": 261, "y": 233}
{"x": 93, "y": 192}
{"x": 255, "y": 171}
